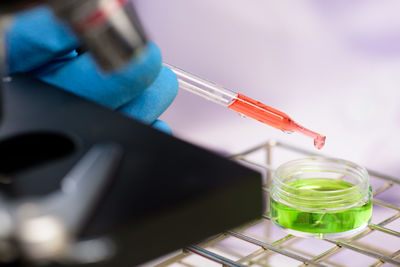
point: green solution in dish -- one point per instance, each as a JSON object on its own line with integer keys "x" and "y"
{"x": 322, "y": 217}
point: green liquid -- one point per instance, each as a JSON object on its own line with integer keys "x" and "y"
{"x": 321, "y": 221}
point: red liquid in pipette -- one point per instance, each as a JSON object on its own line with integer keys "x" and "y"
{"x": 273, "y": 117}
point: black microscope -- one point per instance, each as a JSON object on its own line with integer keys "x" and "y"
{"x": 76, "y": 189}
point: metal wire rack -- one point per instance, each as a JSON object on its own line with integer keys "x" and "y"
{"x": 261, "y": 243}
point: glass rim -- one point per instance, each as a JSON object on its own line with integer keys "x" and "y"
{"x": 321, "y": 159}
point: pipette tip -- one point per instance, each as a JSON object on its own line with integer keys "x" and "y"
{"x": 319, "y": 139}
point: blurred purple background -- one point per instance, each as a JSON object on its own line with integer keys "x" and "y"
{"x": 333, "y": 66}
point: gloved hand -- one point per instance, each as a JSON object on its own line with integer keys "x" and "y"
{"x": 39, "y": 44}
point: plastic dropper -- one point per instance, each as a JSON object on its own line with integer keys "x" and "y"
{"x": 243, "y": 105}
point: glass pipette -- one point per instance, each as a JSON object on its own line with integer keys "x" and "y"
{"x": 243, "y": 104}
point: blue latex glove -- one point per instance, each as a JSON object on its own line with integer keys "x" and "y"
{"x": 39, "y": 44}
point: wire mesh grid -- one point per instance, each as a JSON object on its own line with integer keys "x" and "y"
{"x": 261, "y": 243}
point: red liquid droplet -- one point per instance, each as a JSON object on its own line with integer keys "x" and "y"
{"x": 319, "y": 141}
{"x": 273, "y": 117}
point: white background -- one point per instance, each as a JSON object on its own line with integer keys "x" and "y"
{"x": 333, "y": 66}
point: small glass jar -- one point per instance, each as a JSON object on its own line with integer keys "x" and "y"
{"x": 321, "y": 197}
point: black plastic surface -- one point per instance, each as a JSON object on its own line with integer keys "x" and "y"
{"x": 168, "y": 193}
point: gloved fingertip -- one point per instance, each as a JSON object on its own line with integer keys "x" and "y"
{"x": 162, "y": 126}
{"x": 172, "y": 80}
{"x": 155, "y": 99}
{"x": 148, "y": 62}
